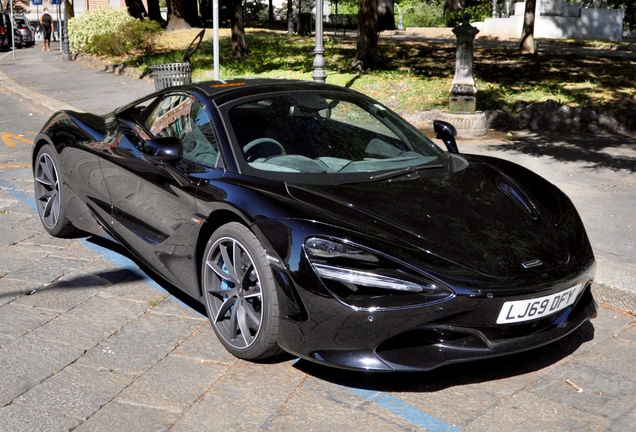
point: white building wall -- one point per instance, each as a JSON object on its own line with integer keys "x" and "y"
{"x": 560, "y": 20}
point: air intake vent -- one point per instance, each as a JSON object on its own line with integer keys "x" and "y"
{"x": 516, "y": 196}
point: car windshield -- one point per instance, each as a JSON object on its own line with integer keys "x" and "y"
{"x": 327, "y": 137}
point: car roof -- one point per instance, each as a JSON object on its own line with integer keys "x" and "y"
{"x": 225, "y": 91}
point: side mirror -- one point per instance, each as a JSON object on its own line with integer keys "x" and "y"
{"x": 447, "y": 133}
{"x": 167, "y": 149}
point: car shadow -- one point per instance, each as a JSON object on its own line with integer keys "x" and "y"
{"x": 455, "y": 374}
{"x": 95, "y": 279}
{"x": 170, "y": 288}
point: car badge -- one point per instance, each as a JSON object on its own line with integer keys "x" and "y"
{"x": 530, "y": 264}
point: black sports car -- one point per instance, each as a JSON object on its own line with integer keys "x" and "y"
{"x": 310, "y": 218}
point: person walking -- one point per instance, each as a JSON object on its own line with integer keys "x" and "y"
{"x": 47, "y": 29}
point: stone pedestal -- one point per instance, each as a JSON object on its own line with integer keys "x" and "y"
{"x": 462, "y": 104}
{"x": 467, "y": 125}
{"x": 463, "y": 88}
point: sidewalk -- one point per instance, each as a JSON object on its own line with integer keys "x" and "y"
{"x": 597, "y": 172}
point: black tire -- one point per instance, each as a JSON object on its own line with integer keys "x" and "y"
{"x": 240, "y": 301}
{"x": 19, "y": 43}
{"x": 50, "y": 192}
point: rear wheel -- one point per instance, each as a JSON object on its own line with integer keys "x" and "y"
{"x": 239, "y": 291}
{"x": 49, "y": 193}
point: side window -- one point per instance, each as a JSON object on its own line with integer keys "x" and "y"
{"x": 184, "y": 117}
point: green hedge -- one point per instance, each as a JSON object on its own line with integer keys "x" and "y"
{"x": 112, "y": 32}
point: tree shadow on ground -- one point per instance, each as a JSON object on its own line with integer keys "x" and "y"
{"x": 597, "y": 151}
{"x": 457, "y": 374}
{"x": 500, "y": 71}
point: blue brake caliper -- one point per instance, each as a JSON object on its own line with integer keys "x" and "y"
{"x": 225, "y": 284}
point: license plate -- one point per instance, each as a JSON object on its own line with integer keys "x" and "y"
{"x": 526, "y": 310}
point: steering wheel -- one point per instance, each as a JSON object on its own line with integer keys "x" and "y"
{"x": 266, "y": 151}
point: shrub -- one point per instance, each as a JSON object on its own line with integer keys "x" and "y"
{"x": 421, "y": 13}
{"x": 111, "y": 31}
{"x": 478, "y": 11}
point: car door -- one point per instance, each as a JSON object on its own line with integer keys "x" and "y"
{"x": 153, "y": 203}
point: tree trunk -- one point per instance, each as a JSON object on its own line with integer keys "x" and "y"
{"x": 239, "y": 45}
{"x": 270, "y": 11}
{"x": 175, "y": 16}
{"x": 290, "y": 18}
{"x": 386, "y": 15}
{"x": 136, "y": 9}
{"x": 526, "y": 46}
{"x": 367, "y": 47}
{"x": 191, "y": 13}
{"x": 154, "y": 12}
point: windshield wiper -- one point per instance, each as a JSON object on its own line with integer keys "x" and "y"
{"x": 410, "y": 172}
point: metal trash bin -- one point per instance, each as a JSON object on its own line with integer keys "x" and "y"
{"x": 175, "y": 74}
{"x": 171, "y": 74}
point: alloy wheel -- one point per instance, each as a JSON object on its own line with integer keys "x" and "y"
{"x": 47, "y": 190}
{"x": 233, "y": 293}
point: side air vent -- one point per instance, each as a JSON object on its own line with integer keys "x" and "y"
{"x": 514, "y": 194}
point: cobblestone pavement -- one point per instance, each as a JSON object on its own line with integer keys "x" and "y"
{"x": 89, "y": 342}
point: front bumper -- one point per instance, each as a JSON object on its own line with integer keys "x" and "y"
{"x": 424, "y": 338}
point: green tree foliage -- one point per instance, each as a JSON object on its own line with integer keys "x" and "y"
{"x": 421, "y": 13}
{"x": 19, "y": 6}
{"x": 110, "y": 31}
{"x": 430, "y": 13}
{"x": 477, "y": 9}
{"x": 629, "y": 22}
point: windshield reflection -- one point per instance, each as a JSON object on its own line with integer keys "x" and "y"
{"x": 328, "y": 135}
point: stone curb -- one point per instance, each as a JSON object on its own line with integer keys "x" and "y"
{"x": 614, "y": 296}
{"x": 35, "y": 97}
{"x": 116, "y": 68}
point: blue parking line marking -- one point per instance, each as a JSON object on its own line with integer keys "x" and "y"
{"x": 19, "y": 195}
{"x": 407, "y": 412}
{"x": 113, "y": 257}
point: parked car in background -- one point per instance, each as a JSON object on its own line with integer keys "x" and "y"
{"x": 27, "y": 31}
{"x": 7, "y": 29}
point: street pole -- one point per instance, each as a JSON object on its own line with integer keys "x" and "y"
{"x": 64, "y": 29}
{"x": 59, "y": 23}
{"x": 215, "y": 42}
{"x": 13, "y": 31}
{"x": 319, "y": 60}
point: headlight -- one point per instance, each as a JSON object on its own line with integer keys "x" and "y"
{"x": 353, "y": 278}
{"x": 322, "y": 248}
{"x": 363, "y": 279}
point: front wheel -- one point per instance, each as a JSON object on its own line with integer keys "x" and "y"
{"x": 239, "y": 291}
{"x": 49, "y": 193}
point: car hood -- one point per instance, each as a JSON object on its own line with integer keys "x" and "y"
{"x": 477, "y": 218}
